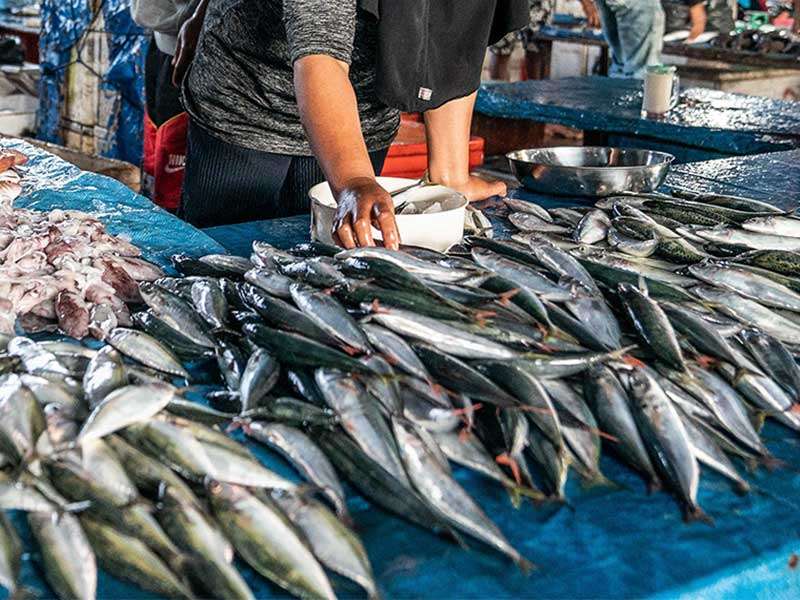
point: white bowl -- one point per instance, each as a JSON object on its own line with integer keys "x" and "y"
{"x": 437, "y": 231}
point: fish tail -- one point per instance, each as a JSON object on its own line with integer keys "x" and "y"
{"x": 654, "y": 485}
{"x": 694, "y": 513}
{"x": 598, "y": 480}
{"x": 524, "y": 564}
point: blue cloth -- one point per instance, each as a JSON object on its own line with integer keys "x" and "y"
{"x": 708, "y": 120}
{"x": 634, "y": 30}
{"x": 609, "y": 543}
{"x": 613, "y": 544}
{"x": 64, "y": 22}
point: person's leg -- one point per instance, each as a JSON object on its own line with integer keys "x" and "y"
{"x": 225, "y": 183}
{"x": 610, "y": 31}
{"x": 641, "y": 33}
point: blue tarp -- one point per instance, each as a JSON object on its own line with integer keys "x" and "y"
{"x": 611, "y": 544}
{"x": 608, "y": 544}
{"x": 64, "y": 22}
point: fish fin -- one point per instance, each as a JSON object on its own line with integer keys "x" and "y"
{"x": 695, "y": 513}
{"x": 505, "y": 298}
{"x": 509, "y": 461}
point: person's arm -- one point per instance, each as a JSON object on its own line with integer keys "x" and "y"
{"x": 592, "y": 15}
{"x": 188, "y": 37}
{"x": 698, "y": 18}
{"x": 447, "y": 131}
{"x": 329, "y": 113}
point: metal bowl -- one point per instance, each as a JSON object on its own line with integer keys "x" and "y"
{"x": 589, "y": 171}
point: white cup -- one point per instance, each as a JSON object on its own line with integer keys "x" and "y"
{"x": 661, "y": 90}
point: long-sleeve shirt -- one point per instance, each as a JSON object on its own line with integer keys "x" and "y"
{"x": 241, "y": 84}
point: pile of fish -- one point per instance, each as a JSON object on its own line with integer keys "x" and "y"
{"x": 645, "y": 326}
{"x": 61, "y": 269}
{"x": 114, "y": 468}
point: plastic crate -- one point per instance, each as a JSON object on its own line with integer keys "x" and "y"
{"x": 408, "y": 154}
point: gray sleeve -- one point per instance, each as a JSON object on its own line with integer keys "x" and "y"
{"x": 320, "y": 27}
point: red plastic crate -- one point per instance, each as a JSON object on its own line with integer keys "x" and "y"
{"x": 408, "y": 154}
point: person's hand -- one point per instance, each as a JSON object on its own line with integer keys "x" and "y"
{"x": 592, "y": 16}
{"x": 476, "y": 189}
{"x": 186, "y": 47}
{"x": 362, "y": 204}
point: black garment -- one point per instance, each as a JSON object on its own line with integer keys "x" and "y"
{"x": 431, "y": 51}
{"x": 163, "y": 99}
{"x": 226, "y": 183}
{"x": 241, "y": 84}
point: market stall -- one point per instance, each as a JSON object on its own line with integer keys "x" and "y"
{"x": 615, "y": 541}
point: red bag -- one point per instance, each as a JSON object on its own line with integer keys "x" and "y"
{"x": 164, "y": 161}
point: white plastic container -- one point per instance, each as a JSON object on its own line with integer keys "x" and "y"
{"x": 437, "y": 230}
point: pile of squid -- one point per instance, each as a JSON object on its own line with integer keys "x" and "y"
{"x": 61, "y": 270}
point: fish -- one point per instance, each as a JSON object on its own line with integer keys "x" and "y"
{"x": 332, "y": 542}
{"x": 747, "y": 284}
{"x": 68, "y": 556}
{"x": 146, "y": 350}
{"x": 517, "y": 205}
{"x": 123, "y": 407}
{"x": 666, "y": 440}
{"x": 445, "y": 495}
{"x": 415, "y": 266}
{"x": 331, "y": 317}
{"x": 267, "y": 541}
{"x": 210, "y": 301}
{"x": 774, "y": 225}
{"x": 749, "y": 239}
{"x": 459, "y": 376}
{"x": 177, "y": 313}
{"x": 361, "y": 419}
{"x": 440, "y": 334}
{"x": 104, "y": 374}
{"x": 750, "y": 312}
{"x": 260, "y": 375}
{"x": 10, "y": 556}
{"x": 521, "y": 275}
{"x": 395, "y": 350}
{"x": 526, "y": 221}
{"x": 774, "y": 359}
{"x": 306, "y": 457}
{"x": 652, "y": 325}
{"x": 610, "y": 405}
{"x": 592, "y": 228}
{"x": 129, "y": 559}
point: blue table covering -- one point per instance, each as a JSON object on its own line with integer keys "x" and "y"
{"x": 611, "y": 544}
{"x": 707, "y": 120}
{"x": 608, "y": 543}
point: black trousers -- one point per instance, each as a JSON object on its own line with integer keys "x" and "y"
{"x": 162, "y": 98}
{"x": 225, "y": 183}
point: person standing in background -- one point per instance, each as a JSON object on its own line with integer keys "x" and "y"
{"x": 634, "y": 31}
{"x": 541, "y": 14}
{"x": 698, "y": 16}
{"x": 165, "y": 119}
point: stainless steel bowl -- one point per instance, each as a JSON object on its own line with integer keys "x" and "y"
{"x": 589, "y": 171}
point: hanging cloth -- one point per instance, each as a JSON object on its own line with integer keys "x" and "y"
{"x": 432, "y": 51}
